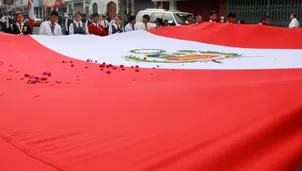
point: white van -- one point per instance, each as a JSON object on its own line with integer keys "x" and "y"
{"x": 174, "y": 18}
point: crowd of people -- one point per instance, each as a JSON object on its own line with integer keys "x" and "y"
{"x": 57, "y": 24}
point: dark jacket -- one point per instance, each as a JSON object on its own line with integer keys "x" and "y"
{"x": 13, "y": 29}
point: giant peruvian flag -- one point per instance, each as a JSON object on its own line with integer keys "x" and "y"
{"x": 209, "y": 97}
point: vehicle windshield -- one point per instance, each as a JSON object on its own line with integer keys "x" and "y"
{"x": 180, "y": 17}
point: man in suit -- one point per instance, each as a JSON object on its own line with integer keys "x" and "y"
{"x": 19, "y": 28}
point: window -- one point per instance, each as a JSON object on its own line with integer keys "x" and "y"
{"x": 168, "y": 17}
{"x": 155, "y": 16}
{"x": 139, "y": 16}
{"x": 180, "y": 17}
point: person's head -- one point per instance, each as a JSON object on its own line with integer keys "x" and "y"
{"x": 213, "y": 16}
{"x": 53, "y": 17}
{"x": 103, "y": 17}
{"x": 19, "y": 17}
{"x": 241, "y": 22}
{"x": 117, "y": 20}
{"x": 132, "y": 19}
{"x": 189, "y": 18}
{"x": 96, "y": 18}
{"x": 199, "y": 19}
{"x": 78, "y": 16}
{"x": 231, "y": 18}
{"x": 292, "y": 16}
{"x": 159, "y": 22}
{"x": 266, "y": 20}
{"x": 146, "y": 19}
{"x": 166, "y": 23}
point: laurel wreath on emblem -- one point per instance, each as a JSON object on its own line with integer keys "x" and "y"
{"x": 180, "y": 56}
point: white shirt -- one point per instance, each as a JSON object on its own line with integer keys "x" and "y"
{"x": 3, "y": 19}
{"x": 45, "y": 29}
{"x": 294, "y": 23}
{"x": 143, "y": 26}
{"x": 105, "y": 23}
{"x": 129, "y": 27}
{"x": 71, "y": 30}
{"x": 114, "y": 25}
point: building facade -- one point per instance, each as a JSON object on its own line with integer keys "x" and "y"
{"x": 88, "y": 7}
{"x": 278, "y": 10}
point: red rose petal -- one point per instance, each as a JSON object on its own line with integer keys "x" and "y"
{"x": 114, "y": 68}
{"x": 136, "y": 70}
{"x": 72, "y": 65}
{"x": 26, "y": 75}
{"x": 86, "y": 67}
{"x": 108, "y": 72}
{"x": 63, "y": 61}
{"x": 123, "y": 69}
{"x": 70, "y": 61}
{"x": 49, "y": 74}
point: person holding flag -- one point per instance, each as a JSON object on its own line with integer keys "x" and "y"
{"x": 146, "y": 23}
{"x": 132, "y": 25}
{"x": 50, "y": 27}
{"x": 96, "y": 28}
{"x": 189, "y": 20}
{"x": 19, "y": 28}
{"x": 78, "y": 27}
